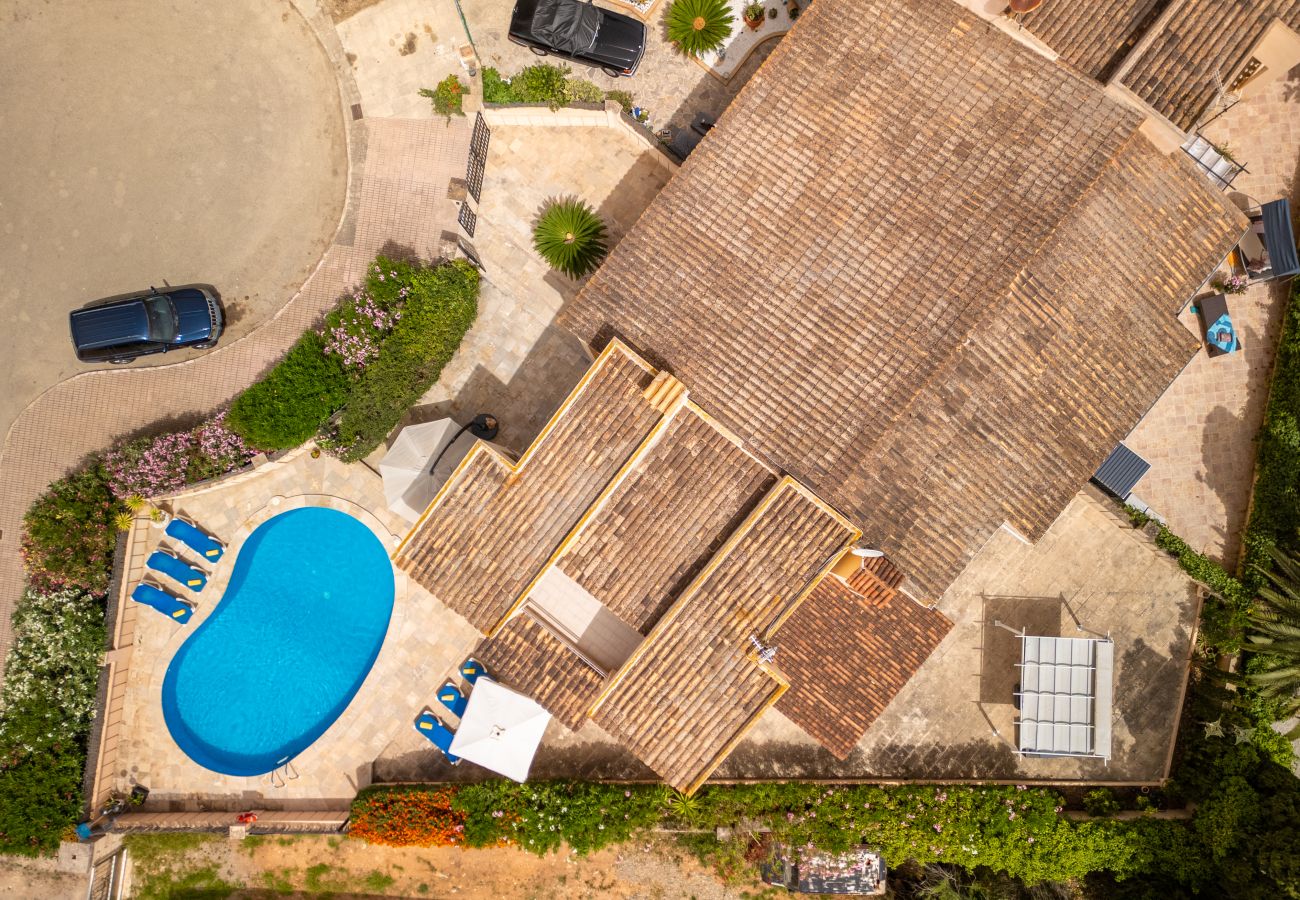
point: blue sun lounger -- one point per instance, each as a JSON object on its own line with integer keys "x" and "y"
{"x": 438, "y": 734}
{"x": 174, "y": 568}
{"x": 196, "y": 540}
{"x": 453, "y": 699}
{"x": 165, "y": 603}
{"x": 471, "y": 669}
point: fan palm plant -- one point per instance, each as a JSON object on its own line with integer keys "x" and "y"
{"x": 1273, "y": 632}
{"x": 570, "y": 237}
{"x": 698, "y": 26}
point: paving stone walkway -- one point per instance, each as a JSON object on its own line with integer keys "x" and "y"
{"x": 1200, "y": 436}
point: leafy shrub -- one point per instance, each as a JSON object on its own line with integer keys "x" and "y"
{"x": 698, "y": 26}
{"x": 68, "y": 533}
{"x": 545, "y": 83}
{"x": 579, "y": 90}
{"x": 151, "y": 466}
{"x": 355, "y": 331}
{"x": 1275, "y": 512}
{"x": 295, "y": 398}
{"x": 46, "y": 707}
{"x": 407, "y": 817}
{"x": 1224, "y": 614}
{"x": 539, "y": 816}
{"x": 622, "y": 98}
{"x": 570, "y": 237}
{"x": 542, "y": 83}
{"x": 438, "y": 306}
{"x": 1101, "y": 802}
{"x": 497, "y": 89}
{"x": 447, "y": 97}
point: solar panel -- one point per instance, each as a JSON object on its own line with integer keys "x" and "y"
{"x": 1065, "y": 696}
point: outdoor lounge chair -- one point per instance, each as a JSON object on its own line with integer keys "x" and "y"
{"x": 453, "y": 699}
{"x": 1216, "y": 326}
{"x": 438, "y": 734}
{"x": 471, "y": 670}
{"x": 165, "y": 603}
{"x": 206, "y": 547}
{"x": 182, "y": 572}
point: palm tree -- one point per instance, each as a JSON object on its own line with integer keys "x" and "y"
{"x": 1273, "y": 630}
{"x": 698, "y": 26}
{"x": 570, "y": 237}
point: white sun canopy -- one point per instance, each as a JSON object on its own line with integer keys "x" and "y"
{"x": 1066, "y": 693}
{"x": 500, "y": 730}
{"x": 409, "y": 486}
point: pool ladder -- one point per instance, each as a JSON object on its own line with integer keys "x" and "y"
{"x": 282, "y": 775}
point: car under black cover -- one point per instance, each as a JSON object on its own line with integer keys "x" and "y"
{"x": 581, "y": 32}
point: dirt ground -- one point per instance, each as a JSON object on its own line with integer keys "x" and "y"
{"x": 27, "y": 879}
{"x": 309, "y": 865}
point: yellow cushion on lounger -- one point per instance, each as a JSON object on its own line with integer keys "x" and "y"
{"x": 178, "y": 614}
{"x": 193, "y": 581}
{"x": 427, "y": 726}
{"x": 212, "y": 552}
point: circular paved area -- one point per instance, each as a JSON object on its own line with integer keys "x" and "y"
{"x": 149, "y": 143}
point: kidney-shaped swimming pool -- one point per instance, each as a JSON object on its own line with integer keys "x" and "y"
{"x": 288, "y": 646}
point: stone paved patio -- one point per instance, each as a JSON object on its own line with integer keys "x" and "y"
{"x": 397, "y": 47}
{"x": 425, "y": 641}
{"x": 515, "y": 362}
{"x": 1200, "y": 436}
{"x": 1091, "y": 565}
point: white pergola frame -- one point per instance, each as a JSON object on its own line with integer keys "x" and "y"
{"x": 1066, "y": 695}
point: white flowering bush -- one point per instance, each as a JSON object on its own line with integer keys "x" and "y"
{"x": 46, "y": 707}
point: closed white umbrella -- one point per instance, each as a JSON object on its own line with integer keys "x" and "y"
{"x": 409, "y": 486}
{"x": 500, "y": 730}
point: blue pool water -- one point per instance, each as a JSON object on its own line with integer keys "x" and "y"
{"x": 288, "y": 646}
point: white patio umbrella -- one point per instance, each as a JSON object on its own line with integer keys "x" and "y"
{"x": 409, "y": 486}
{"x": 500, "y": 730}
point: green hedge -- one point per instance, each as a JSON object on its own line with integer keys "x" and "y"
{"x": 1275, "y": 513}
{"x": 439, "y": 307}
{"x": 293, "y": 401}
{"x": 377, "y": 352}
{"x": 1018, "y": 831}
{"x": 545, "y": 83}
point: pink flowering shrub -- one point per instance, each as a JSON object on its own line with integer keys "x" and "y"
{"x": 151, "y": 466}
{"x": 356, "y": 330}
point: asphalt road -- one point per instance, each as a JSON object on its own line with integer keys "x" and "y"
{"x": 151, "y": 143}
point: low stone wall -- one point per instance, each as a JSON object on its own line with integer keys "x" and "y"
{"x": 103, "y": 759}
{"x": 589, "y": 115}
{"x": 268, "y": 821}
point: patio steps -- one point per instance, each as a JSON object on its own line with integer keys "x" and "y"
{"x": 664, "y": 392}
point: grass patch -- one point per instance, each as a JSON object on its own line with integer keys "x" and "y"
{"x": 377, "y": 881}
{"x": 196, "y": 884}
{"x": 153, "y": 850}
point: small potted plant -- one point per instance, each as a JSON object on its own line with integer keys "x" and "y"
{"x": 1231, "y": 284}
{"x": 754, "y": 14}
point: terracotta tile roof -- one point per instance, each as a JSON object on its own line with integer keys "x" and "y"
{"x": 666, "y": 519}
{"x": 955, "y": 304}
{"x": 526, "y": 657}
{"x": 846, "y": 659}
{"x": 1175, "y": 73}
{"x": 495, "y": 526}
{"x": 871, "y": 588}
{"x": 883, "y": 569}
{"x": 1092, "y": 38}
{"x": 693, "y": 687}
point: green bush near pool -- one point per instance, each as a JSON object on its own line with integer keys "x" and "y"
{"x": 373, "y": 357}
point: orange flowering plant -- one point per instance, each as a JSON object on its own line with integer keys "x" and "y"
{"x": 408, "y": 817}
